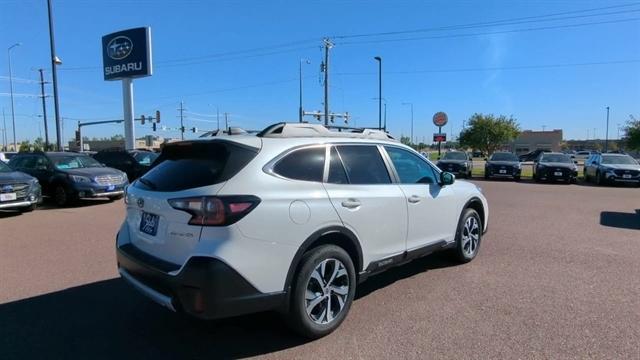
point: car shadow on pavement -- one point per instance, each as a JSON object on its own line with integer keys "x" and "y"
{"x": 620, "y": 219}
{"x": 48, "y": 204}
{"x": 9, "y": 213}
{"x": 109, "y": 320}
{"x": 386, "y": 278}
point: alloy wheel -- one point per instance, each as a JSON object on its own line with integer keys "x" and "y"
{"x": 327, "y": 291}
{"x": 470, "y": 236}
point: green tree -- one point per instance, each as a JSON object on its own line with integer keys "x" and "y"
{"x": 632, "y": 134}
{"x": 489, "y": 133}
{"x": 38, "y": 144}
{"x": 25, "y": 146}
{"x": 405, "y": 140}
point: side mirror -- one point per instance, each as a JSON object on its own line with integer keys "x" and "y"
{"x": 486, "y": 159}
{"x": 575, "y": 162}
{"x": 446, "y": 178}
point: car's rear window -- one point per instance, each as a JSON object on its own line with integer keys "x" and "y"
{"x": 188, "y": 165}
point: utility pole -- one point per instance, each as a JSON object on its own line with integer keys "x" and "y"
{"x": 327, "y": 45}
{"x": 44, "y": 110}
{"x": 410, "y": 104}
{"x": 218, "y": 117}
{"x": 226, "y": 121}
{"x": 181, "y": 109}
{"x": 544, "y": 127}
{"x": 606, "y": 137}
{"x": 384, "y": 127}
{"x": 54, "y": 73}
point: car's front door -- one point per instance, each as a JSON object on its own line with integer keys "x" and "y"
{"x": 431, "y": 207}
{"x": 368, "y": 202}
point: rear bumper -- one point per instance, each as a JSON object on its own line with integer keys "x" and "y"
{"x": 17, "y": 204}
{"x": 204, "y": 287}
{"x": 620, "y": 179}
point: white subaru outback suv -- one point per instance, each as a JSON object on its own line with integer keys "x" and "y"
{"x": 290, "y": 220}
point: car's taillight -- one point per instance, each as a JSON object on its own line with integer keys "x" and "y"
{"x": 216, "y": 210}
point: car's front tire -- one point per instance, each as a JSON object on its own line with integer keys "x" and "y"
{"x": 63, "y": 197}
{"x": 323, "y": 291}
{"x": 468, "y": 236}
{"x": 29, "y": 208}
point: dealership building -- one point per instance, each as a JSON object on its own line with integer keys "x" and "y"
{"x": 530, "y": 140}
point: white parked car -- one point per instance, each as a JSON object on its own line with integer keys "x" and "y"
{"x": 290, "y": 220}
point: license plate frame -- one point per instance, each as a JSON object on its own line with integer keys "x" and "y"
{"x": 502, "y": 171}
{"x": 149, "y": 223}
{"x": 557, "y": 173}
{"x": 8, "y": 197}
{"x": 626, "y": 176}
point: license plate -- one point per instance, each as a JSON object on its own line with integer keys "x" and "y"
{"x": 503, "y": 171}
{"x": 111, "y": 187}
{"x": 626, "y": 176}
{"x": 557, "y": 173}
{"x": 8, "y": 197}
{"x": 149, "y": 223}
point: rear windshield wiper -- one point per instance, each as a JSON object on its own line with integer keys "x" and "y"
{"x": 148, "y": 183}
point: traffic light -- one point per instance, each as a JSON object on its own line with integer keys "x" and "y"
{"x": 153, "y": 126}
{"x": 77, "y": 137}
{"x": 142, "y": 120}
{"x": 194, "y": 129}
{"x": 157, "y": 116}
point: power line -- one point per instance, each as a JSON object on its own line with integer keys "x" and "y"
{"x": 510, "y": 21}
{"x": 489, "y": 33}
{"x": 517, "y": 67}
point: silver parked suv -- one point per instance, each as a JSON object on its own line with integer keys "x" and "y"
{"x": 290, "y": 220}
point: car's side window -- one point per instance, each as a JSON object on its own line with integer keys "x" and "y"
{"x": 304, "y": 164}
{"x": 364, "y": 164}
{"x": 411, "y": 168}
{"x": 28, "y": 162}
{"x": 41, "y": 163}
{"x": 337, "y": 173}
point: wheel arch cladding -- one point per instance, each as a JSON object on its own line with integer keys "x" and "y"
{"x": 476, "y": 204}
{"x": 335, "y": 235}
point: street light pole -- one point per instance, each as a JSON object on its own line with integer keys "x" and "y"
{"x": 300, "y": 111}
{"x": 379, "y": 59}
{"x": 606, "y": 137}
{"x": 44, "y": 111}
{"x": 410, "y": 104}
{"x": 54, "y": 74}
{"x": 13, "y": 115}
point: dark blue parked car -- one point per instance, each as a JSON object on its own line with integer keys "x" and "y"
{"x": 18, "y": 191}
{"x": 68, "y": 176}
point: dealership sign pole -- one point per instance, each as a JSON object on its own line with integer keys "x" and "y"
{"x": 440, "y": 119}
{"x": 127, "y": 55}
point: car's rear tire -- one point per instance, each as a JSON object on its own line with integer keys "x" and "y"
{"x": 468, "y": 236}
{"x": 323, "y": 290}
{"x": 599, "y": 180}
{"x": 516, "y": 178}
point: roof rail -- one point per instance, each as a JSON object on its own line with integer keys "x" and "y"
{"x": 230, "y": 131}
{"x": 291, "y": 130}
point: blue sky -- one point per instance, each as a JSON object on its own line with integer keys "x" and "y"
{"x": 560, "y": 76}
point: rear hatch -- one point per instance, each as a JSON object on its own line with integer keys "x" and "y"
{"x": 184, "y": 170}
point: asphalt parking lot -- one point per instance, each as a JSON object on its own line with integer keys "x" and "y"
{"x": 557, "y": 277}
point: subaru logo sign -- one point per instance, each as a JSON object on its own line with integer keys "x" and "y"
{"x": 7, "y": 188}
{"x": 119, "y": 47}
{"x": 127, "y": 54}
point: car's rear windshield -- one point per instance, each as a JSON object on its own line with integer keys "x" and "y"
{"x": 4, "y": 167}
{"x": 503, "y": 157}
{"x": 619, "y": 159}
{"x": 555, "y": 158}
{"x": 455, "y": 155}
{"x": 192, "y": 164}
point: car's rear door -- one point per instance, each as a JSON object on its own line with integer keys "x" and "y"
{"x": 431, "y": 206}
{"x": 368, "y": 202}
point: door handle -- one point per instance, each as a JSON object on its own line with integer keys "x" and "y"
{"x": 414, "y": 199}
{"x": 351, "y": 203}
